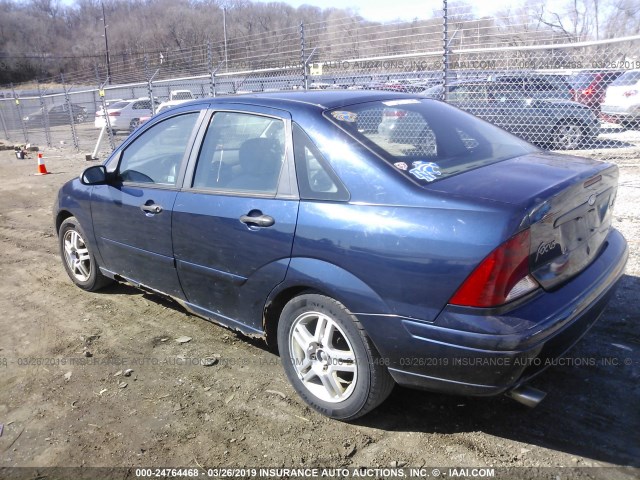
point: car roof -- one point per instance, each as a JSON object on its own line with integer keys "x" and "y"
{"x": 318, "y": 99}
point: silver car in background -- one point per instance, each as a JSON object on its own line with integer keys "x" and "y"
{"x": 622, "y": 100}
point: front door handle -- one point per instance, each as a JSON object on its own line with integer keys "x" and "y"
{"x": 259, "y": 220}
{"x": 151, "y": 208}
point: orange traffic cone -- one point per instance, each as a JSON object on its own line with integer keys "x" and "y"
{"x": 42, "y": 169}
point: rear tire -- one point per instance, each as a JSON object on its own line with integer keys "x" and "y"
{"x": 568, "y": 136}
{"x": 329, "y": 359}
{"x": 78, "y": 259}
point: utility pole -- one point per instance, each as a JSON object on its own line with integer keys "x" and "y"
{"x": 106, "y": 44}
{"x": 224, "y": 28}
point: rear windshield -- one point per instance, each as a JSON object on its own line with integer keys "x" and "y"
{"x": 581, "y": 80}
{"x": 627, "y": 78}
{"x": 117, "y": 105}
{"x": 427, "y": 140}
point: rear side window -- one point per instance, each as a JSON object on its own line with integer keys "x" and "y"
{"x": 427, "y": 140}
{"x": 316, "y": 179}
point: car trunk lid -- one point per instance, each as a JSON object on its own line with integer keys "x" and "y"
{"x": 621, "y": 95}
{"x": 566, "y": 201}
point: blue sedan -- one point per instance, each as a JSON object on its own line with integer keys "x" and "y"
{"x": 373, "y": 238}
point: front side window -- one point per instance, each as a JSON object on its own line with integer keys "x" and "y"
{"x": 155, "y": 156}
{"x": 241, "y": 152}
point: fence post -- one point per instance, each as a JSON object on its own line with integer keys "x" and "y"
{"x": 150, "y": 83}
{"x": 445, "y": 52}
{"x": 212, "y": 78}
{"x": 67, "y": 100}
{"x": 45, "y": 116}
{"x": 103, "y": 100}
{"x": 20, "y": 116}
{"x": 4, "y": 124}
{"x": 305, "y": 80}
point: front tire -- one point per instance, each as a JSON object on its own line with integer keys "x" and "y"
{"x": 78, "y": 259}
{"x": 329, "y": 359}
{"x": 135, "y": 123}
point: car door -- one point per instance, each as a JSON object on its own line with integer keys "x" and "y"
{"x": 234, "y": 220}
{"x": 57, "y": 115}
{"x": 132, "y": 214}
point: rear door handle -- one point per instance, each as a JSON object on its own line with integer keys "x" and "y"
{"x": 259, "y": 220}
{"x": 151, "y": 208}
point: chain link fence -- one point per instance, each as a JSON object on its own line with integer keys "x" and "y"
{"x": 577, "y": 97}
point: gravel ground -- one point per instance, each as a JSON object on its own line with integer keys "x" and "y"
{"x": 242, "y": 412}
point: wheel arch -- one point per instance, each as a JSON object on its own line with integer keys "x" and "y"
{"x": 61, "y": 216}
{"x": 308, "y": 275}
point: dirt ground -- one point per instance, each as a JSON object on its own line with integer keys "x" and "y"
{"x": 173, "y": 411}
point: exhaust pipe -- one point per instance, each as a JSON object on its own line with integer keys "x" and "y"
{"x": 527, "y": 395}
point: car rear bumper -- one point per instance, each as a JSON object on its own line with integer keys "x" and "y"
{"x": 471, "y": 351}
{"x": 619, "y": 113}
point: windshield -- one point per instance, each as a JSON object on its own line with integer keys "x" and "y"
{"x": 427, "y": 140}
{"x": 627, "y": 78}
{"x": 434, "y": 91}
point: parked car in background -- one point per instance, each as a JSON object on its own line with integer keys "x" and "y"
{"x": 561, "y": 124}
{"x": 180, "y": 95}
{"x": 56, "y": 115}
{"x": 538, "y": 85}
{"x": 402, "y": 85}
{"x": 125, "y": 115}
{"x": 161, "y": 107}
{"x": 358, "y": 257}
{"x": 588, "y": 87}
{"x": 622, "y": 100}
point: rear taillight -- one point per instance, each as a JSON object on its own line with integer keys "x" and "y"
{"x": 114, "y": 114}
{"x": 501, "y": 277}
{"x": 630, "y": 93}
{"x": 587, "y": 91}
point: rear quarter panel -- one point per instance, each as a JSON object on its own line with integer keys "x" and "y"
{"x": 411, "y": 247}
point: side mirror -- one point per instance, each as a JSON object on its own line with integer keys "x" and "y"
{"x": 94, "y": 175}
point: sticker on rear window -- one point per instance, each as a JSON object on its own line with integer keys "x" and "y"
{"x": 406, "y": 101}
{"x": 401, "y": 165}
{"x": 344, "y": 116}
{"x": 428, "y": 171}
